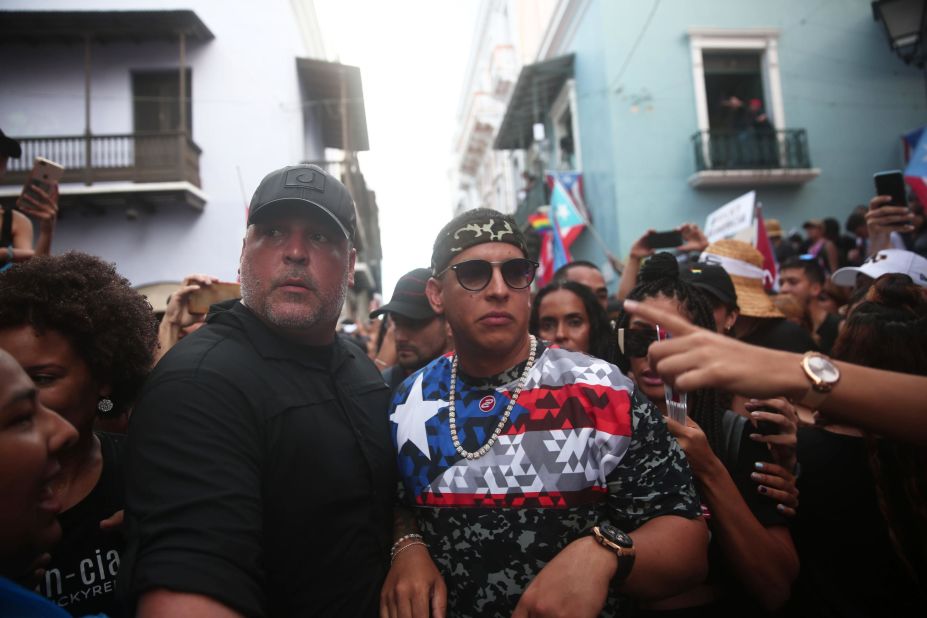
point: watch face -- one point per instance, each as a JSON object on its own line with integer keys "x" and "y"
{"x": 823, "y": 369}
{"x": 615, "y": 535}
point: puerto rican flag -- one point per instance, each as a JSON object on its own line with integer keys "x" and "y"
{"x": 915, "y": 174}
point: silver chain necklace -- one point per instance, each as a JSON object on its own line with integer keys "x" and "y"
{"x": 452, "y": 413}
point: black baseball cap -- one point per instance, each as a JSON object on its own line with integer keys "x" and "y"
{"x": 712, "y": 279}
{"x": 305, "y": 185}
{"x": 9, "y": 147}
{"x": 409, "y": 298}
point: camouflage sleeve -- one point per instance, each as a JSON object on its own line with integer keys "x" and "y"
{"x": 653, "y": 477}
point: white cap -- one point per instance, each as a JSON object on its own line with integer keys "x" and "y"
{"x": 883, "y": 262}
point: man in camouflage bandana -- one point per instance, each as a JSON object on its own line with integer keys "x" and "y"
{"x": 505, "y": 504}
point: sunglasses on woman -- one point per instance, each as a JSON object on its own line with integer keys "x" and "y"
{"x": 474, "y": 275}
{"x": 634, "y": 342}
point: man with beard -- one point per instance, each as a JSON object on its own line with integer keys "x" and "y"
{"x": 539, "y": 478}
{"x": 419, "y": 333}
{"x": 260, "y": 470}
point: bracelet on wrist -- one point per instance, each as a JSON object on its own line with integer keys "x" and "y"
{"x": 406, "y": 537}
{"x": 392, "y": 557}
{"x": 9, "y": 259}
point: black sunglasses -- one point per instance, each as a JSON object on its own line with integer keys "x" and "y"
{"x": 474, "y": 275}
{"x": 634, "y": 342}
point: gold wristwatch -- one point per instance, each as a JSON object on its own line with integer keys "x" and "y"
{"x": 823, "y": 374}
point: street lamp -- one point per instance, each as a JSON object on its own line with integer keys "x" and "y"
{"x": 905, "y": 23}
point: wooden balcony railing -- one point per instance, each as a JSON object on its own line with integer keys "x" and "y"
{"x": 135, "y": 157}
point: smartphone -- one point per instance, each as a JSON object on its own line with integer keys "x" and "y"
{"x": 664, "y": 240}
{"x": 44, "y": 174}
{"x": 207, "y": 295}
{"x": 891, "y": 183}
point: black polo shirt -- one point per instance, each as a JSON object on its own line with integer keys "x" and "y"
{"x": 260, "y": 474}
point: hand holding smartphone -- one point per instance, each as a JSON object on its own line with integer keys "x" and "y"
{"x": 45, "y": 175}
{"x": 207, "y": 295}
{"x": 891, "y": 183}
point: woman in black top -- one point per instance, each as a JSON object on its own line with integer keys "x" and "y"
{"x": 86, "y": 339}
{"x": 861, "y": 530}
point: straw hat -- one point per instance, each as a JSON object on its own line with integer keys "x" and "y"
{"x": 745, "y": 266}
{"x": 773, "y": 228}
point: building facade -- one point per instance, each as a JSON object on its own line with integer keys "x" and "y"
{"x": 166, "y": 121}
{"x": 670, "y": 109}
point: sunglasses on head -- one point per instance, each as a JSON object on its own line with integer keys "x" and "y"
{"x": 634, "y": 342}
{"x": 474, "y": 275}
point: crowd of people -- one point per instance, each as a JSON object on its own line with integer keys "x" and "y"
{"x": 691, "y": 445}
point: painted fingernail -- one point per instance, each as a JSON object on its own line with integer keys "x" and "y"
{"x": 755, "y": 413}
{"x": 780, "y": 508}
{"x": 762, "y": 489}
{"x": 759, "y": 465}
{"x": 630, "y": 304}
{"x": 755, "y": 436}
{"x": 755, "y": 476}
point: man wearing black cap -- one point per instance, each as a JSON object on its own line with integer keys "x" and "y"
{"x": 524, "y": 462}
{"x": 261, "y": 477}
{"x": 420, "y": 334}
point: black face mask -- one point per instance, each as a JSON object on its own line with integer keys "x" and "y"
{"x": 636, "y": 341}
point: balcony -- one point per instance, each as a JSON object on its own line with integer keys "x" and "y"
{"x": 151, "y": 169}
{"x": 725, "y": 158}
{"x": 134, "y": 157}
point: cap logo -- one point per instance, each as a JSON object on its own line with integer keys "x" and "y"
{"x": 487, "y": 403}
{"x": 503, "y": 229}
{"x": 307, "y": 178}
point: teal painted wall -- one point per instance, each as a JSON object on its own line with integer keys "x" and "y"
{"x": 839, "y": 81}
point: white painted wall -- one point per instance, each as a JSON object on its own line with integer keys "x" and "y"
{"x": 247, "y": 117}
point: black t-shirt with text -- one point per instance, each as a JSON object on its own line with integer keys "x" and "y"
{"x": 81, "y": 577}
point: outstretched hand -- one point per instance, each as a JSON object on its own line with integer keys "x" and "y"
{"x": 697, "y": 358}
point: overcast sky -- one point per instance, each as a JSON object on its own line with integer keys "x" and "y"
{"x": 412, "y": 55}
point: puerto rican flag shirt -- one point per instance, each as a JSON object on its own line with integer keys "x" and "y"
{"x": 580, "y": 446}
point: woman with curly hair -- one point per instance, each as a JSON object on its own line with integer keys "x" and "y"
{"x": 86, "y": 340}
{"x": 752, "y": 560}
{"x": 568, "y": 314}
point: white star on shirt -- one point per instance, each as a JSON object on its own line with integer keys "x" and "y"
{"x": 411, "y": 417}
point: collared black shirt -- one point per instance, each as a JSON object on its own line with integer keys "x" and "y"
{"x": 260, "y": 474}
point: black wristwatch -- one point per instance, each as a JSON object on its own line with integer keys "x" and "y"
{"x": 615, "y": 540}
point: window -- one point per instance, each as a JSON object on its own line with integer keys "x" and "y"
{"x": 565, "y": 143}
{"x": 155, "y": 101}
{"x": 742, "y": 63}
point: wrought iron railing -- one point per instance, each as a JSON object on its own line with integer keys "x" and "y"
{"x": 137, "y": 157}
{"x": 751, "y": 149}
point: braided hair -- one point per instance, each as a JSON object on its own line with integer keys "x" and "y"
{"x": 659, "y": 276}
{"x": 888, "y": 330}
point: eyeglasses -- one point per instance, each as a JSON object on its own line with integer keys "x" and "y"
{"x": 634, "y": 342}
{"x": 474, "y": 275}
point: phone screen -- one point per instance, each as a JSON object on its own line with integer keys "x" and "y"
{"x": 891, "y": 183}
{"x": 664, "y": 240}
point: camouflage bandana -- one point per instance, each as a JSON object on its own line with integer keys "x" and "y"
{"x": 472, "y": 228}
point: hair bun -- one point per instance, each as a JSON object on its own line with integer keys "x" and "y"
{"x": 659, "y": 267}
